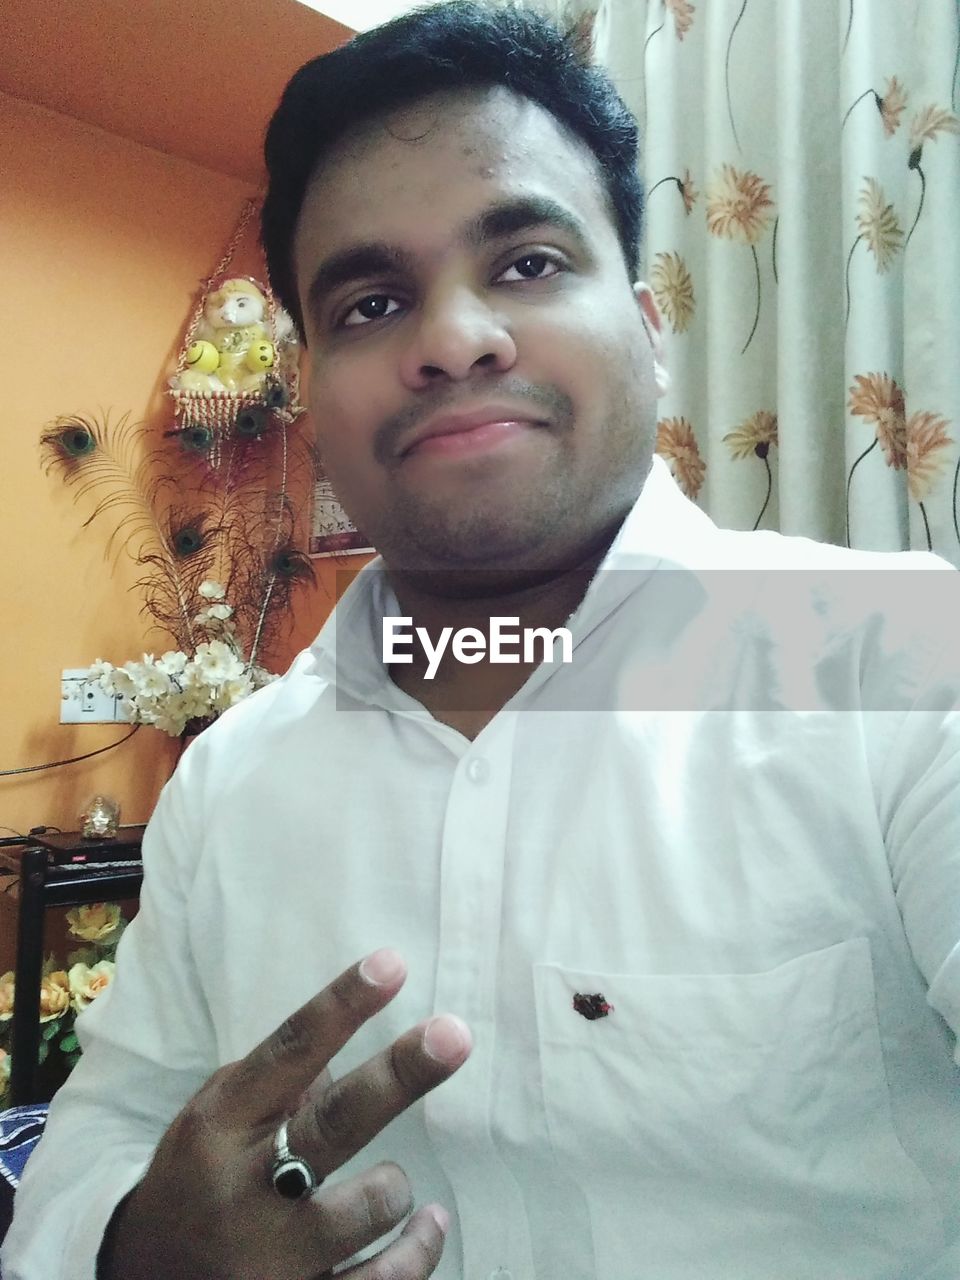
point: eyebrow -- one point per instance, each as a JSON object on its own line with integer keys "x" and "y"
{"x": 355, "y": 263}
{"x": 505, "y": 218}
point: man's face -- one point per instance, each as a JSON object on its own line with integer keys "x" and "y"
{"x": 480, "y": 369}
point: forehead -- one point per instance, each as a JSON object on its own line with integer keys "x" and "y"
{"x": 445, "y": 156}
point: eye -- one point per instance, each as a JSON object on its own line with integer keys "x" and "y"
{"x": 532, "y": 266}
{"x": 374, "y": 307}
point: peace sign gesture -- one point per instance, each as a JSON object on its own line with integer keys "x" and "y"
{"x": 235, "y": 1190}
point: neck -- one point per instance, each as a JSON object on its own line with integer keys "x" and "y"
{"x": 468, "y": 695}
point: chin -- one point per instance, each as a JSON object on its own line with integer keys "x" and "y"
{"x": 541, "y": 527}
{"x": 480, "y": 540}
{"x": 491, "y": 561}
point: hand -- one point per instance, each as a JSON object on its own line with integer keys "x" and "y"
{"x": 206, "y": 1209}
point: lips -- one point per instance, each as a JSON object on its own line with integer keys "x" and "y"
{"x": 487, "y": 424}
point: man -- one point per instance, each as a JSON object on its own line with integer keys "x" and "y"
{"x": 690, "y": 899}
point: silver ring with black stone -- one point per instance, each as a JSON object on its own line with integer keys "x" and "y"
{"x": 291, "y": 1176}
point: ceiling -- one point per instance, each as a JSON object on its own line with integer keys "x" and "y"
{"x": 363, "y": 14}
{"x": 194, "y": 78}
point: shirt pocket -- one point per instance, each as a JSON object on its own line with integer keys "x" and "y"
{"x": 733, "y": 1124}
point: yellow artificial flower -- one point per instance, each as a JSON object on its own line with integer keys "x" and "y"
{"x": 54, "y": 995}
{"x": 6, "y": 996}
{"x": 88, "y": 981}
{"x": 94, "y": 922}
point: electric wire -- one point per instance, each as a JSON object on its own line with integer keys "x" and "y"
{"x": 55, "y": 764}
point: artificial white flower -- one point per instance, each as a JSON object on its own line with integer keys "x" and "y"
{"x": 154, "y": 683}
{"x": 173, "y": 722}
{"x": 218, "y": 662}
{"x": 177, "y": 688}
{"x": 173, "y": 662}
{"x": 119, "y": 682}
{"x": 192, "y": 678}
{"x": 231, "y": 692}
{"x": 199, "y": 701}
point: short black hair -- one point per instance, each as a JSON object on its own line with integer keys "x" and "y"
{"x": 458, "y": 44}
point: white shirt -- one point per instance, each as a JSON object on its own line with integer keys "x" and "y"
{"x": 754, "y": 859}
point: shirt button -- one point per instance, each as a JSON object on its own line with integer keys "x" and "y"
{"x": 500, "y": 1274}
{"x": 478, "y": 771}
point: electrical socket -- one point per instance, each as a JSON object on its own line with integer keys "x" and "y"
{"x": 82, "y": 701}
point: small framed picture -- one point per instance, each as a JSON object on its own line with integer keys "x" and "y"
{"x": 331, "y": 531}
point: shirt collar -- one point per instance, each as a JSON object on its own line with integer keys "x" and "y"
{"x": 663, "y": 529}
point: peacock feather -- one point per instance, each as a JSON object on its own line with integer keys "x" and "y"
{"x": 206, "y": 504}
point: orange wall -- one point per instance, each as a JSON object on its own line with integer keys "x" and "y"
{"x": 197, "y": 80}
{"x": 104, "y": 242}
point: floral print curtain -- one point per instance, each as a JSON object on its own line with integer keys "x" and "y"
{"x": 802, "y": 170}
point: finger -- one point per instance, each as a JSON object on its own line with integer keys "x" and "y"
{"x": 270, "y": 1080}
{"x": 317, "y": 1086}
{"x": 414, "y": 1255}
{"x": 340, "y": 1120}
{"x": 337, "y": 1222}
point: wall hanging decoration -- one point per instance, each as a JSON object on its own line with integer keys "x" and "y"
{"x": 207, "y": 511}
{"x": 236, "y": 374}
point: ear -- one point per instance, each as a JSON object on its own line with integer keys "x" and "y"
{"x": 653, "y": 325}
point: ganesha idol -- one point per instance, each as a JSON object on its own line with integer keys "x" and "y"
{"x": 232, "y": 350}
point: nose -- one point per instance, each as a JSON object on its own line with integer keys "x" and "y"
{"x": 457, "y": 335}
